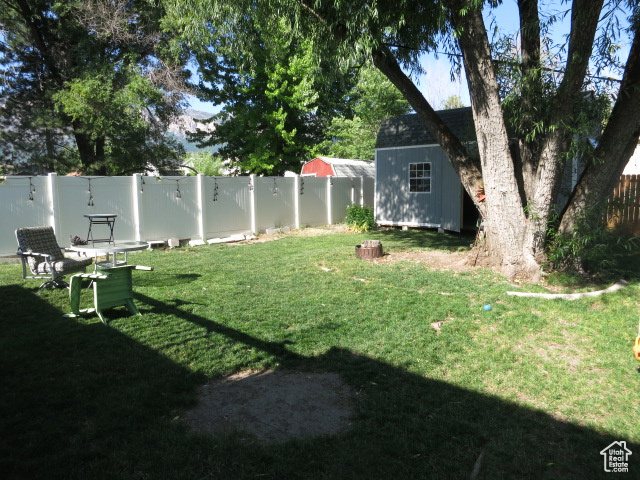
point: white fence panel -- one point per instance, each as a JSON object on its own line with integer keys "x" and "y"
{"x": 74, "y": 199}
{"x": 228, "y": 206}
{"x": 158, "y": 208}
{"x": 18, "y": 210}
{"x": 342, "y": 191}
{"x": 274, "y": 202}
{"x": 313, "y": 201}
{"x": 169, "y": 208}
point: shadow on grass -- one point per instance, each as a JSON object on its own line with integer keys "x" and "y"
{"x": 627, "y": 268}
{"x": 421, "y": 238}
{"x": 161, "y": 279}
{"x": 85, "y": 401}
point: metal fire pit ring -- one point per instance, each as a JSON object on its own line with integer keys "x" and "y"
{"x": 369, "y": 249}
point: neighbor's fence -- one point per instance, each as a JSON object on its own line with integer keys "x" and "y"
{"x": 159, "y": 208}
{"x": 624, "y": 206}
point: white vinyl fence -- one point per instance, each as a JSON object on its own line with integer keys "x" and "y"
{"x": 199, "y": 208}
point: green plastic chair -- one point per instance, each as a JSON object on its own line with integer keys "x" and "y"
{"x": 112, "y": 287}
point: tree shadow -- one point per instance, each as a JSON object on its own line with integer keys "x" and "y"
{"x": 448, "y": 430}
{"x": 422, "y": 238}
{"x": 77, "y": 395}
{"x": 81, "y": 400}
{"x": 161, "y": 279}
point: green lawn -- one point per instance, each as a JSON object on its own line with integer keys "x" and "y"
{"x": 537, "y": 387}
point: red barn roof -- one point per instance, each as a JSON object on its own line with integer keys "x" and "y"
{"x": 338, "y": 167}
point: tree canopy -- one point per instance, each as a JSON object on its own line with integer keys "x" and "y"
{"x": 87, "y": 85}
{"x": 205, "y": 163}
{"x": 372, "y": 100}
{"x": 276, "y": 100}
{"x": 453, "y": 101}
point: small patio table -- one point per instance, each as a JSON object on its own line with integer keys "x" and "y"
{"x": 114, "y": 249}
{"x": 108, "y": 219}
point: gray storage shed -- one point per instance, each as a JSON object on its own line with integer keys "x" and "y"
{"x": 416, "y": 185}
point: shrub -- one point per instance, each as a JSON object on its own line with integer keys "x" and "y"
{"x": 360, "y": 219}
{"x": 593, "y": 247}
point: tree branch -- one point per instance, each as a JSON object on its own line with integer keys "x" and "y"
{"x": 312, "y": 11}
{"x": 529, "y": 36}
{"x": 531, "y": 89}
{"x": 584, "y": 22}
{"x": 618, "y": 142}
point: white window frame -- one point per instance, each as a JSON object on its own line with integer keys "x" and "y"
{"x": 430, "y": 177}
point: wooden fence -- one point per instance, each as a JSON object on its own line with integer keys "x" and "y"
{"x": 624, "y": 205}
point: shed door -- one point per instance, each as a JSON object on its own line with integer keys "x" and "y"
{"x": 451, "y": 196}
{"x": 391, "y": 197}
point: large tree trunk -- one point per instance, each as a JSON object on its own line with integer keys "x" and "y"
{"x": 508, "y": 233}
{"x": 85, "y": 149}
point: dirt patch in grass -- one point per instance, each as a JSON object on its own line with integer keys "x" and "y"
{"x": 316, "y": 231}
{"x": 273, "y": 406}
{"x": 433, "y": 259}
{"x": 299, "y": 232}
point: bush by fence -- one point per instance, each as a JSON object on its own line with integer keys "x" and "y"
{"x": 158, "y": 208}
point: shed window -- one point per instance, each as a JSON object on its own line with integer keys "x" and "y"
{"x": 420, "y": 177}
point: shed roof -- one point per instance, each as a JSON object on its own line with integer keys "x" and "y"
{"x": 408, "y": 130}
{"x": 347, "y": 167}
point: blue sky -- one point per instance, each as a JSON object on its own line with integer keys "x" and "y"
{"x": 203, "y": 106}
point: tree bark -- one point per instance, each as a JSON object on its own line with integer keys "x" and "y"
{"x": 506, "y": 227}
{"x": 584, "y": 22}
{"x": 531, "y": 92}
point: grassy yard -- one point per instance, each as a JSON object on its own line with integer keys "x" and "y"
{"x": 536, "y": 387}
